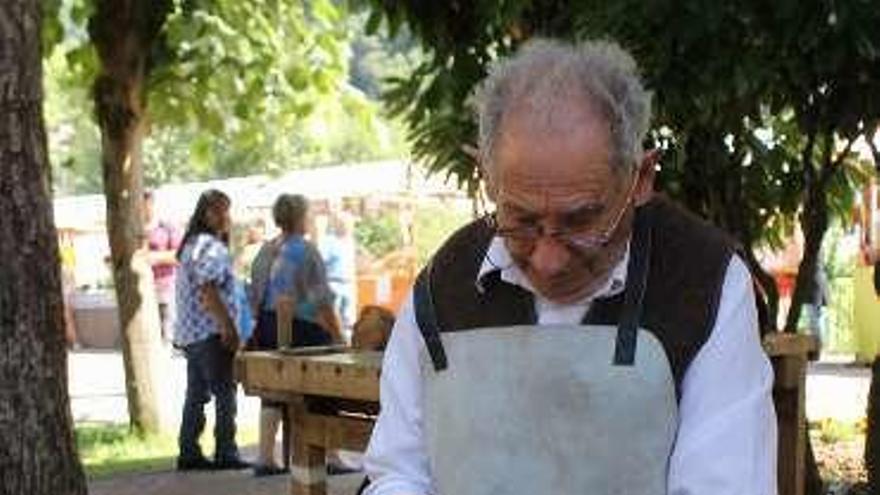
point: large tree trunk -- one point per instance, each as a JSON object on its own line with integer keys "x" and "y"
{"x": 117, "y": 30}
{"x": 872, "y": 437}
{"x": 814, "y": 224}
{"x": 872, "y": 441}
{"x": 37, "y": 451}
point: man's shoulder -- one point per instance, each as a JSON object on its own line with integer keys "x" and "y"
{"x": 471, "y": 238}
{"x": 679, "y": 226}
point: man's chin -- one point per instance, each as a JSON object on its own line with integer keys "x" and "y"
{"x": 566, "y": 295}
{"x": 569, "y": 293}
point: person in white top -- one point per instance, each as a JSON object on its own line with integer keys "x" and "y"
{"x": 587, "y": 337}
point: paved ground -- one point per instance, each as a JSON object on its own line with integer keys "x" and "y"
{"x": 97, "y": 388}
{"x": 214, "y": 483}
{"x": 97, "y": 391}
{"x": 837, "y": 390}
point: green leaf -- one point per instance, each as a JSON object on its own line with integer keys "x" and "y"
{"x": 373, "y": 22}
{"x": 201, "y": 152}
{"x": 52, "y": 30}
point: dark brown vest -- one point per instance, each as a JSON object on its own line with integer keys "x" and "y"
{"x": 683, "y": 271}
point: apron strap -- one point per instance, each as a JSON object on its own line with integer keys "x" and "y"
{"x": 636, "y": 280}
{"x": 426, "y": 318}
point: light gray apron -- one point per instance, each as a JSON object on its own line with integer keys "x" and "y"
{"x": 543, "y": 410}
{"x": 551, "y": 409}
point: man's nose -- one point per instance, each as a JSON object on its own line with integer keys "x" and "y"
{"x": 549, "y": 257}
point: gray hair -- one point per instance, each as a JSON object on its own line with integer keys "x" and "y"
{"x": 544, "y": 74}
{"x": 289, "y": 211}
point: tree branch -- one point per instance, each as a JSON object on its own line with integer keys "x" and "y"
{"x": 830, "y": 166}
{"x": 807, "y": 154}
{"x": 875, "y": 152}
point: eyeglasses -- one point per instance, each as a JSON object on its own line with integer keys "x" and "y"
{"x": 581, "y": 238}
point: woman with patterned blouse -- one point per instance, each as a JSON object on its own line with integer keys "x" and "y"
{"x": 205, "y": 329}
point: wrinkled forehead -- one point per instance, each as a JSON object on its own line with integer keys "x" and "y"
{"x": 555, "y": 162}
{"x": 554, "y": 109}
{"x": 529, "y": 142}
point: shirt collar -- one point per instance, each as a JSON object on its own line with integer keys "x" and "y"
{"x": 498, "y": 259}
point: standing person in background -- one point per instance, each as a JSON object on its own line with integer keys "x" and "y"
{"x": 206, "y": 331}
{"x": 67, "y": 253}
{"x": 337, "y": 246}
{"x": 288, "y": 293}
{"x": 253, "y": 242}
{"x": 162, "y": 240}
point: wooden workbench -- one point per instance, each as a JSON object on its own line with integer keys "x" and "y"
{"x": 333, "y": 400}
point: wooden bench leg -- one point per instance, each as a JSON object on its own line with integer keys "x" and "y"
{"x": 286, "y": 431}
{"x": 788, "y": 396}
{"x": 309, "y": 470}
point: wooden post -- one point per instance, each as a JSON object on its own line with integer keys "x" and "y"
{"x": 788, "y": 353}
{"x": 309, "y": 470}
{"x": 788, "y": 395}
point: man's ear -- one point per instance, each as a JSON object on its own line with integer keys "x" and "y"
{"x": 647, "y": 170}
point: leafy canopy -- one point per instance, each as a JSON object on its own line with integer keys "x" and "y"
{"x": 234, "y": 88}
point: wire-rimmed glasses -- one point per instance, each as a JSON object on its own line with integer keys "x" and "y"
{"x": 523, "y": 237}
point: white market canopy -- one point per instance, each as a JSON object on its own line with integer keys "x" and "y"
{"x": 175, "y": 202}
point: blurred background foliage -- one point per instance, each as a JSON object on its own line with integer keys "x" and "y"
{"x": 206, "y": 123}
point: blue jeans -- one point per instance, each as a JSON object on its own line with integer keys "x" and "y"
{"x": 208, "y": 372}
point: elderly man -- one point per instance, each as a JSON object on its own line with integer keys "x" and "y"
{"x": 586, "y": 338}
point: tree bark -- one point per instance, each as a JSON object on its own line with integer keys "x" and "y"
{"x": 814, "y": 221}
{"x": 37, "y": 451}
{"x": 872, "y": 437}
{"x": 814, "y": 226}
{"x": 121, "y": 32}
{"x": 872, "y": 440}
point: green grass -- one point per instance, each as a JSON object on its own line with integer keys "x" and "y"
{"x": 111, "y": 449}
{"x": 833, "y": 431}
{"x": 108, "y": 449}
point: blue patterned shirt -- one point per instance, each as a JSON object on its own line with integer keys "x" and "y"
{"x": 299, "y": 272}
{"x": 204, "y": 259}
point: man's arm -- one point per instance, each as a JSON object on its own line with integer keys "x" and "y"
{"x": 727, "y": 436}
{"x": 397, "y": 461}
{"x": 214, "y": 306}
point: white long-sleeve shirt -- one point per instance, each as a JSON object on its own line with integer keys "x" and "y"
{"x": 726, "y": 438}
